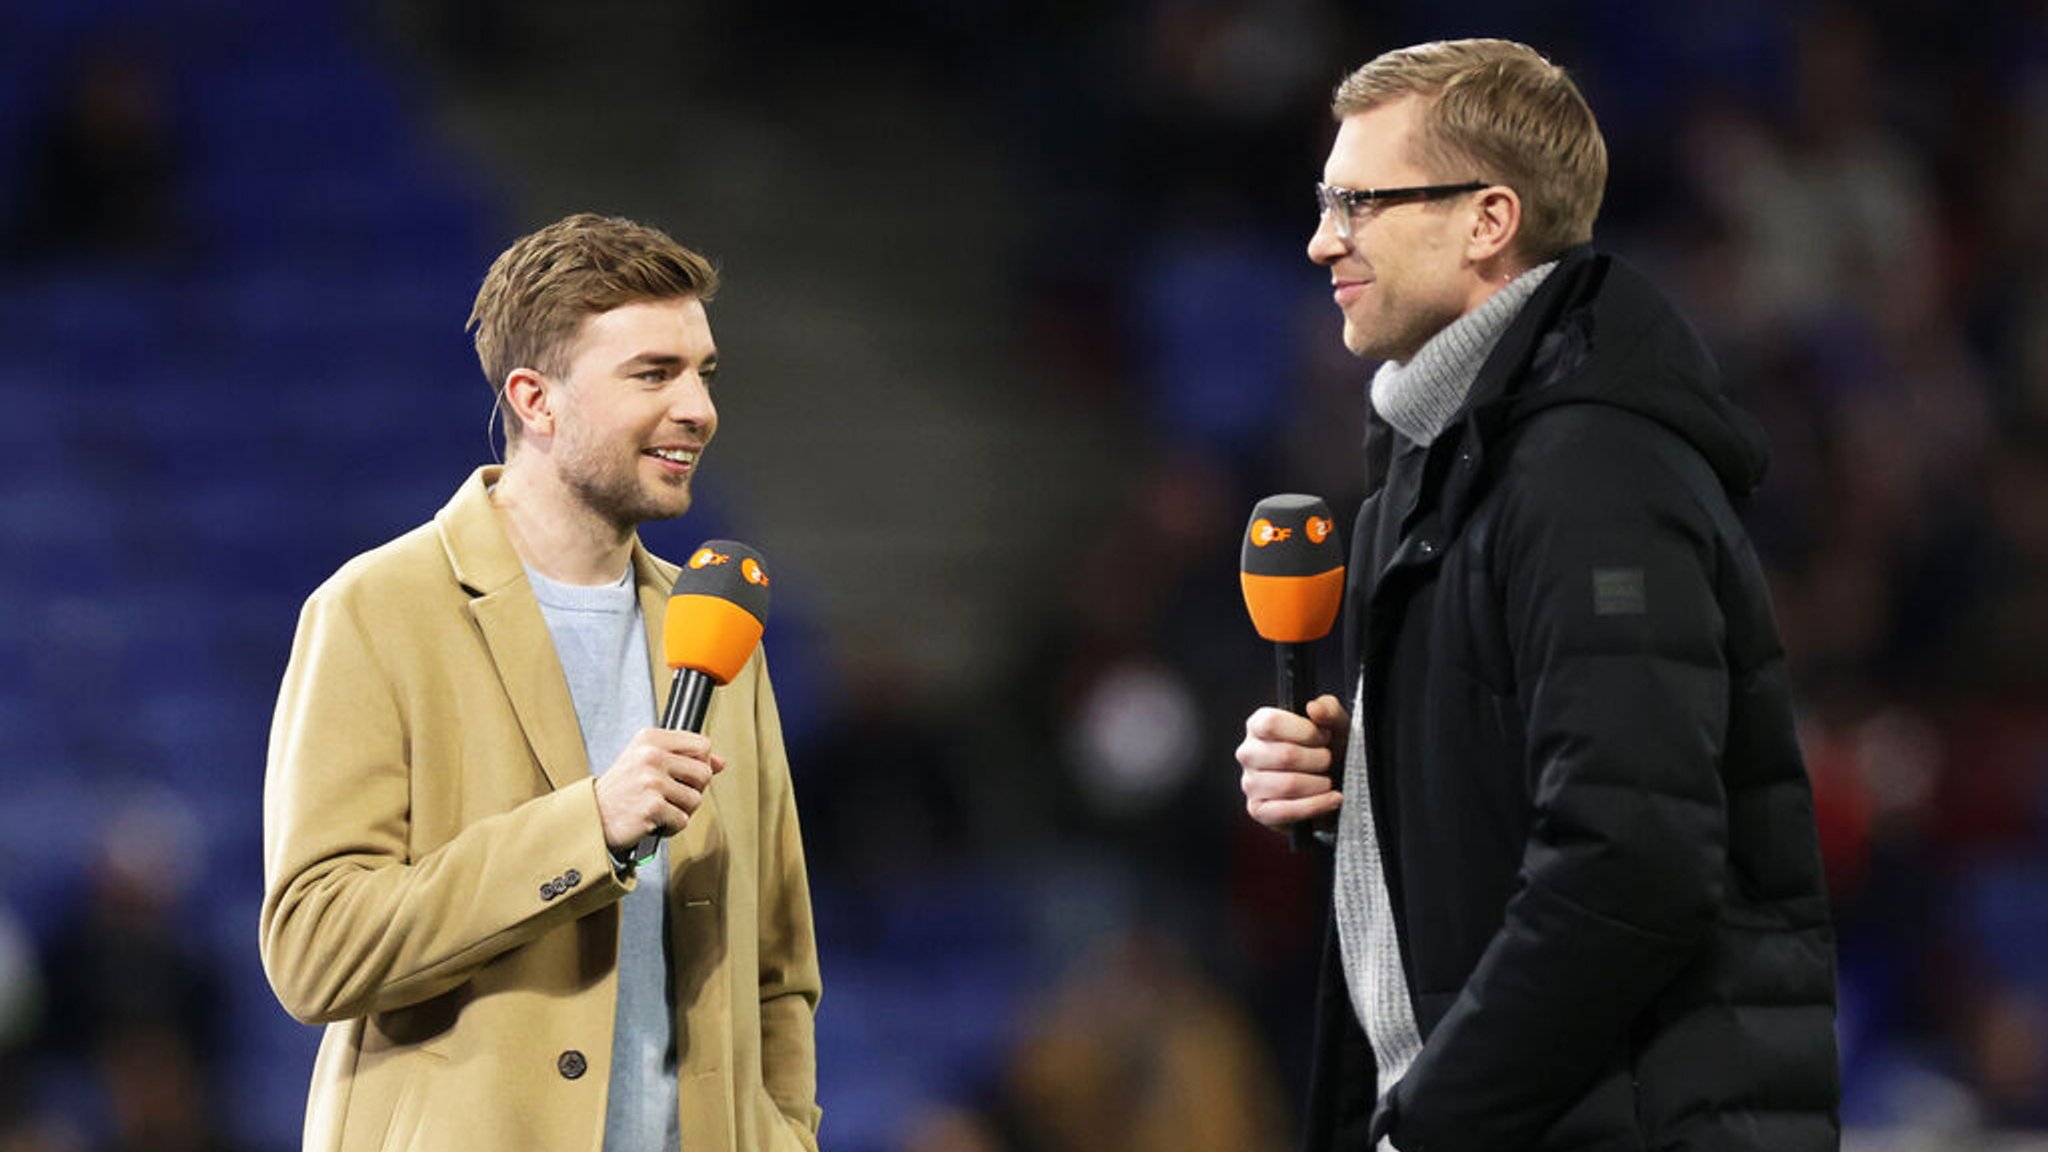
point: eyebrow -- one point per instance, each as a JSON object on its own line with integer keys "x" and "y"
{"x": 665, "y": 360}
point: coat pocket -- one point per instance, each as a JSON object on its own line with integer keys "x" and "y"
{"x": 1604, "y": 1119}
{"x": 406, "y": 1127}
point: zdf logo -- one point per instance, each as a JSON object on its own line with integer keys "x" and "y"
{"x": 751, "y": 569}
{"x": 1264, "y": 533}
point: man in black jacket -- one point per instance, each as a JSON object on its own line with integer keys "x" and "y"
{"x": 1577, "y": 891}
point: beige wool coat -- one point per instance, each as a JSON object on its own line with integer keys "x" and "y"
{"x": 438, "y": 892}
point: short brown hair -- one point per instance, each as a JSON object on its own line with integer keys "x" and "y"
{"x": 538, "y": 292}
{"x": 1497, "y": 110}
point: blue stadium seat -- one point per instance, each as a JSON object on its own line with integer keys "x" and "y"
{"x": 2004, "y": 916}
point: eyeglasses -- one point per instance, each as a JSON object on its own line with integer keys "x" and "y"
{"x": 1351, "y": 202}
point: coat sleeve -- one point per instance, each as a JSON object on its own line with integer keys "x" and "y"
{"x": 1604, "y": 569}
{"x": 790, "y": 983}
{"x": 353, "y": 922}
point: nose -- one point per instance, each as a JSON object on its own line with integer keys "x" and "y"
{"x": 1324, "y": 245}
{"x": 690, "y": 404}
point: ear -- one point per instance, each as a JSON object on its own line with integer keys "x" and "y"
{"x": 1496, "y": 223}
{"x": 526, "y": 397}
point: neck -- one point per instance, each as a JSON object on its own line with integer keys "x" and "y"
{"x": 1492, "y": 276}
{"x": 554, "y": 533}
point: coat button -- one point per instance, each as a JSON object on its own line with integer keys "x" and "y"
{"x": 1427, "y": 547}
{"x": 571, "y": 1064}
{"x": 547, "y": 891}
{"x": 572, "y": 878}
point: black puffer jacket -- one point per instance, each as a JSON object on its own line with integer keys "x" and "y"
{"x": 1598, "y": 833}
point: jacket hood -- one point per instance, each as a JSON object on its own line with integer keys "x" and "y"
{"x": 1599, "y": 332}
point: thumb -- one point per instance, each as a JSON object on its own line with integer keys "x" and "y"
{"x": 1327, "y": 712}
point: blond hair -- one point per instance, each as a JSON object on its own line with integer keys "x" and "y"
{"x": 1496, "y": 110}
{"x": 538, "y": 292}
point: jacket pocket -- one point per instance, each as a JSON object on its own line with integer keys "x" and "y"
{"x": 406, "y": 1126}
{"x": 1604, "y": 1119}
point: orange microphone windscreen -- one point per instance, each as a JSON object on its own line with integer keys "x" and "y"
{"x": 717, "y": 610}
{"x": 1292, "y": 569}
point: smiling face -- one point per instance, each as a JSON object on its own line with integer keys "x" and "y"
{"x": 633, "y": 412}
{"x": 1407, "y": 271}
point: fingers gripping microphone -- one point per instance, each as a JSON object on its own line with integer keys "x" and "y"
{"x": 714, "y": 621}
{"x": 1293, "y": 575}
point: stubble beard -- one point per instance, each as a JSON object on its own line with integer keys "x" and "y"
{"x": 1394, "y": 336}
{"x": 615, "y": 492}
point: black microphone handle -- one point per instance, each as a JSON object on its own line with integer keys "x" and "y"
{"x": 689, "y": 697}
{"x": 1294, "y": 667}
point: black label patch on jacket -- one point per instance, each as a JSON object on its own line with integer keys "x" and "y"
{"x": 1618, "y": 592}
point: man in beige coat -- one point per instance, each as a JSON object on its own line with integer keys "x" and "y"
{"x": 445, "y": 867}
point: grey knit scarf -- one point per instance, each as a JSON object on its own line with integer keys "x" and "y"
{"x": 1421, "y": 397}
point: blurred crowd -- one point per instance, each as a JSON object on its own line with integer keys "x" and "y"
{"x": 1060, "y": 934}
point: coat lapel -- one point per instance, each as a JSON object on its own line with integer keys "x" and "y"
{"x": 509, "y": 618}
{"x": 654, "y": 579}
{"x": 532, "y": 676}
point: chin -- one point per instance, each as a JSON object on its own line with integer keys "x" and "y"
{"x": 670, "y": 505}
{"x": 1361, "y": 345}
{"x": 658, "y": 510}
{"x": 1375, "y": 346}
{"x": 1354, "y": 341}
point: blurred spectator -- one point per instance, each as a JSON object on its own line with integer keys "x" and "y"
{"x": 132, "y": 1002}
{"x": 878, "y": 793}
{"x": 948, "y": 1128}
{"x": 159, "y": 1094}
{"x": 21, "y": 990}
{"x": 1136, "y": 1051}
{"x": 2008, "y": 1056}
{"x": 124, "y": 965}
{"x": 23, "y": 1126}
{"x": 100, "y": 172}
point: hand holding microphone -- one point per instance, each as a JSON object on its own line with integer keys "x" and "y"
{"x": 657, "y": 783}
{"x": 713, "y": 624}
{"x": 1293, "y": 576}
